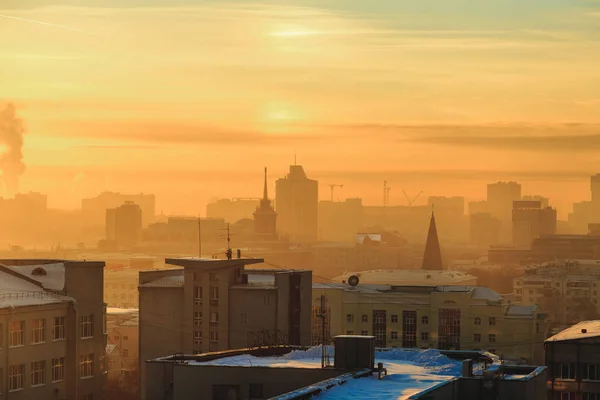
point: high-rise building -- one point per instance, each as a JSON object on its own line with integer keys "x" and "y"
{"x": 432, "y": 258}
{"x": 500, "y": 197}
{"x": 124, "y": 224}
{"x": 530, "y": 221}
{"x": 297, "y": 202}
{"x": 94, "y": 209}
{"x": 340, "y": 220}
{"x": 265, "y": 217}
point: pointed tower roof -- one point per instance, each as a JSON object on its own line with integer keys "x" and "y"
{"x": 265, "y": 195}
{"x": 432, "y": 259}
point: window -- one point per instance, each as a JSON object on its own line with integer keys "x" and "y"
{"x": 565, "y": 371}
{"x": 477, "y": 337}
{"x": 567, "y": 396}
{"x": 38, "y": 373}
{"x": 38, "y": 331}
{"x": 364, "y": 318}
{"x": 364, "y": 333}
{"x": 477, "y": 321}
{"x": 590, "y": 396}
{"x": 86, "y": 366}
{"x": 243, "y": 318}
{"x": 15, "y": 377}
{"x": 492, "y": 320}
{"x": 213, "y": 277}
{"x": 16, "y": 336}
{"x": 225, "y": 392}
{"x": 197, "y": 335}
{"x": 214, "y": 317}
{"x": 197, "y": 318}
{"x": 214, "y": 293}
{"x": 117, "y": 337}
{"x": 267, "y": 300}
{"x": 58, "y": 328}
{"x": 425, "y": 336}
{"x": 349, "y": 332}
{"x": 394, "y": 335}
{"x": 492, "y": 338}
{"x": 256, "y": 391}
{"x": 349, "y": 317}
{"x": 394, "y": 319}
{"x": 424, "y": 320}
{"x": 125, "y": 352}
{"x": 87, "y": 326}
{"x": 214, "y": 336}
{"x": 590, "y": 372}
{"x": 58, "y": 369}
{"x": 197, "y": 295}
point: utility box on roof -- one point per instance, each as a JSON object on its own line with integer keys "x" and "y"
{"x": 354, "y": 352}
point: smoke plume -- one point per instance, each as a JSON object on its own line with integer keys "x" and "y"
{"x": 11, "y": 153}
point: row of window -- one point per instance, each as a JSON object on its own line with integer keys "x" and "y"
{"x": 16, "y": 331}
{"x": 214, "y": 294}
{"x": 424, "y": 319}
{"x": 588, "y": 371}
{"x": 16, "y": 373}
{"x": 394, "y": 335}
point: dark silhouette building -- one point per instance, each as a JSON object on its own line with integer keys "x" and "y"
{"x": 265, "y": 217}
{"x": 124, "y": 224}
{"x": 297, "y": 203}
{"x": 432, "y": 259}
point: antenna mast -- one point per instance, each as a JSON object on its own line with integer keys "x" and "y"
{"x": 199, "y": 239}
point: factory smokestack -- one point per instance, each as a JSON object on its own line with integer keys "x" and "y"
{"x": 11, "y": 149}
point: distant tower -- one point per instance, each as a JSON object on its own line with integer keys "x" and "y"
{"x": 265, "y": 217}
{"x": 432, "y": 259}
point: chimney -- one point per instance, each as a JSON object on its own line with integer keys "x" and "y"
{"x": 467, "y": 368}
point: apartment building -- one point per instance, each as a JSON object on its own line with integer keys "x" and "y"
{"x": 52, "y": 341}
{"x": 567, "y": 290}
{"x": 572, "y": 358}
{"x": 123, "y": 334}
{"x": 215, "y": 304}
{"x": 444, "y": 317}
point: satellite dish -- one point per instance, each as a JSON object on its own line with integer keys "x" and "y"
{"x": 353, "y": 280}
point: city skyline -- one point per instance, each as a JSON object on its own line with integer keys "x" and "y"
{"x": 106, "y": 114}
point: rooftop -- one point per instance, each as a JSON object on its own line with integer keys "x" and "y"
{"x": 212, "y": 263}
{"x": 50, "y": 276}
{"x": 18, "y": 292}
{"x": 582, "y": 330}
{"x": 408, "y": 276}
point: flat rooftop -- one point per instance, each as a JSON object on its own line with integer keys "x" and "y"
{"x": 408, "y": 276}
{"x": 409, "y": 371}
{"x": 212, "y": 263}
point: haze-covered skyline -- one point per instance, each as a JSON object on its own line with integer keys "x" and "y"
{"x": 189, "y": 100}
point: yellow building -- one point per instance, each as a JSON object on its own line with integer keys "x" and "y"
{"x": 445, "y": 317}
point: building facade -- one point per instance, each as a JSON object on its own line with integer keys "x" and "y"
{"x": 53, "y": 329}
{"x": 530, "y": 221}
{"x": 124, "y": 224}
{"x": 572, "y": 358}
{"x": 444, "y": 317}
{"x": 214, "y": 305}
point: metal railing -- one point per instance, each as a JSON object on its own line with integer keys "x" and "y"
{"x": 28, "y": 295}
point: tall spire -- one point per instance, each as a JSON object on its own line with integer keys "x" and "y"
{"x": 432, "y": 259}
{"x": 265, "y": 195}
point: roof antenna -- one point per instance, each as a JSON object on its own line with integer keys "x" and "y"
{"x": 295, "y": 154}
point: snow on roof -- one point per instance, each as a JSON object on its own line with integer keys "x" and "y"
{"x": 478, "y": 292}
{"x": 17, "y": 292}
{"x": 260, "y": 279}
{"x": 515, "y": 310}
{"x": 408, "y": 277}
{"x": 409, "y": 371}
{"x": 121, "y": 311}
{"x": 110, "y": 348}
{"x": 51, "y": 276}
{"x": 582, "y": 330}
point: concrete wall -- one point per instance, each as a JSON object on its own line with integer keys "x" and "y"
{"x": 576, "y": 352}
{"x": 161, "y": 319}
{"x": 252, "y": 310}
{"x": 196, "y": 381}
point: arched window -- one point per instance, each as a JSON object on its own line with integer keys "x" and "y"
{"x": 39, "y": 271}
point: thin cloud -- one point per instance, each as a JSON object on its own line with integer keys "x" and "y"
{"x": 33, "y": 21}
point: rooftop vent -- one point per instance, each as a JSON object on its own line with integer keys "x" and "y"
{"x": 39, "y": 271}
{"x": 584, "y": 330}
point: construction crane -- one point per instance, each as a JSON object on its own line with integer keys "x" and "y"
{"x": 410, "y": 202}
{"x": 333, "y": 186}
{"x": 386, "y": 194}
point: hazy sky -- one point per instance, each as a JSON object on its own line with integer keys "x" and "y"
{"x": 190, "y": 99}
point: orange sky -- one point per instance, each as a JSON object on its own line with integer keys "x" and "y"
{"x": 189, "y": 100}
